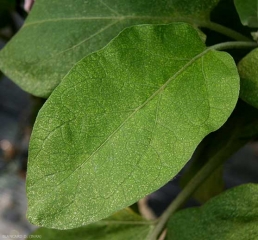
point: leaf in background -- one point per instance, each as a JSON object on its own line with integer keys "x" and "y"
{"x": 5, "y": 18}
{"x": 229, "y": 216}
{"x": 58, "y": 33}
{"x": 248, "y": 12}
{"x": 123, "y": 225}
{"x": 248, "y": 72}
{"x": 124, "y": 121}
{"x": 5, "y": 7}
{"x": 240, "y": 128}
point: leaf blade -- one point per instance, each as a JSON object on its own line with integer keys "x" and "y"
{"x": 110, "y": 120}
{"x": 52, "y": 41}
{"x": 248, "y": 12}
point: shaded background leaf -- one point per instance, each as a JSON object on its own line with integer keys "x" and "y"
{"x": 123, "y": 225}
{"x": 6, "y": 20}
{"x": 5, "y": 16}
{"x": 229, "y": 216}
{"x": 248, "y": 72}
{"x": 130, "y": 116}
{"x": 58, "y": 33}
{"x": 248, "y": 12}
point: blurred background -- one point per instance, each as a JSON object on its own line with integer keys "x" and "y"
{"x": 17, "y": 114}
{"x": 16, "y": 119}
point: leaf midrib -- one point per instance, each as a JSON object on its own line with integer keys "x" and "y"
{"x": 75, "y": 45}
{"x": 117, "y": 18}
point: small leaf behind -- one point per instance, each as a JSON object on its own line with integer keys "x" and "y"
{"x": 123, "y": 225}
{"x": 6, "y": 6}
{"x": 248, "y": 72}
{"x": 248, "y": 12}
{"x": 229, "y": 216}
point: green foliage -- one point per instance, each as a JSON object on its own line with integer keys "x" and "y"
{"x": 248, "y": 71}
{"x": 247, "y": 10}
{"x": 229, "y": 216}
{"x": 133, "y": 91}
{"x": 143, "y": 115}
{"x": 124, "y": 225}
{"x": 58, "y": 33}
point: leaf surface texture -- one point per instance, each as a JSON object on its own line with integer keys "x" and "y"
{"x": 124, "y": 121}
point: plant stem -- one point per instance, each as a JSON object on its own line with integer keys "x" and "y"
{"x": 183, "y": 196}
{"x": 231, "y": 45}
{"x": 224, "y": 30}
{"x": 192, "y": 186}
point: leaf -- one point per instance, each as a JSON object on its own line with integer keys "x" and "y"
{"x": 248, "y": 72}
{"x": 229, "y": 216}
{"x": 248, "y": 12}
{"x": 122, "y": 225}
{"x": 58, "y": 33}
{"x": 124, "y": 121}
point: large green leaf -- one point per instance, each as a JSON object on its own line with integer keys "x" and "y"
{"x": 229, "y": 216}
{"x": 124, "y": 121}
{"x": 58, "y": 33}
{"x": 124, "y": 225}
{"x": 248, "y": 12}
{"x": 248, "y": 72}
